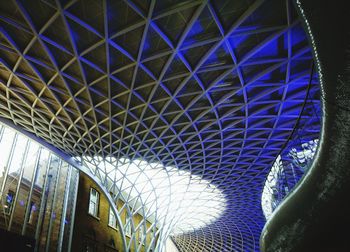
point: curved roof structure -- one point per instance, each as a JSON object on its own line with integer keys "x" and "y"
{"x": 211, "y": 88}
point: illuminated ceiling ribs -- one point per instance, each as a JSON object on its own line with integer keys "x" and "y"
{"x": 212, "y": 88}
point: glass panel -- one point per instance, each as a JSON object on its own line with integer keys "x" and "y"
{"x": 12, "y": 180}
{"x": 29, "y": 166}
{"x": 17, "y": 159}
{"x": 48, "y": 201}
{"x": 58, "y": 206}
{"x": 128, "y": 225}
{"x": 6, "y": 141}
{"x": 32, "y": 197}
{"x": 92, "y": 208}
{"x": 5, "y": 148}
{"x": 141, "y": 237}
{"x": 8, "y": 202}
{"x": 31, "y": 212}
{"x": 37, "y": 192}
{"x": 112, "y": 221}
{"x": 41, "y": 173}
{"x": 70, "y": 208}
{"x": 25, "y": 187}
{"x": 94, "y": 201}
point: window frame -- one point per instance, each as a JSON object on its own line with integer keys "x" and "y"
{"x": 128, "y": 229}
{"x": 96, "y": 210}
{"x": 111, "y": 213}
{"x": 141, "y": 236}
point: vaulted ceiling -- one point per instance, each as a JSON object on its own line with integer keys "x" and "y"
{"x": 214, "y": 88}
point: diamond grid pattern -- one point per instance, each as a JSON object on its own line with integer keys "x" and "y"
{"x": 214, "y": 88}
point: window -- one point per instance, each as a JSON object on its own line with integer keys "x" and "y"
{"x": 112, "y": 220}
{"x": 127, "y": 225}
{"x": 152, "y": 234}
{"x": 141, "y": 237}
{"x": 94, "y": 202}
{"x": 9, "y": 202}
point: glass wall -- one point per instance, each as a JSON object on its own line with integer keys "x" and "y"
{"x": 37, "y": 191}
{"x": 297, "y": 155}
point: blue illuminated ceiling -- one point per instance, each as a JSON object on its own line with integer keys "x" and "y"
{"x": 214, "y": 88}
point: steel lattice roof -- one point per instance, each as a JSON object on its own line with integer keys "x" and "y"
{"x": 214, "y": 88}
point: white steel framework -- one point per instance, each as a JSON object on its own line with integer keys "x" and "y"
{"x": 207, "y": 92}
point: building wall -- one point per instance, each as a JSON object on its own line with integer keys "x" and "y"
{"x": 136, "y": 219}
{"x": 19, "y": 209}
{"x": 37, "y": 193}
{"x": 89, "y": 230}
{"x": 38, "y": 201}
{"x": 95, "y": 232}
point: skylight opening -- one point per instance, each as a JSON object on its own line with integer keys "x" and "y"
{"x": 180, "y": 199}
